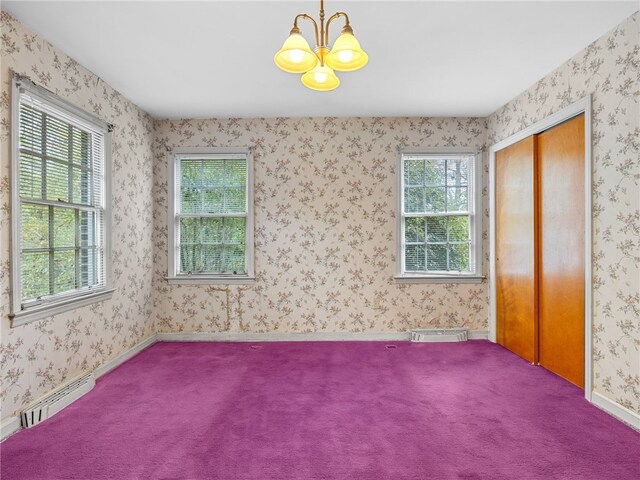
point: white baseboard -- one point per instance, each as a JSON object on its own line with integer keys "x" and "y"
{"x": 281, "y": 337}
{"x": 621, "y": 413}
{"x": 295, "y": 337}
{"x": 9, "y": 426}
{"x": 124, "y": 356}
{"x": 478, "y": 334}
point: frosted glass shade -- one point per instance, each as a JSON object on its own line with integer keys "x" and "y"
{"x": 321, "y": 78}
{"x": 295, "y": 56}
{"x": 346, "y": 54}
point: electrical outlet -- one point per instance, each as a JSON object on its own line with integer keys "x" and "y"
{"x": 376, "y": 303}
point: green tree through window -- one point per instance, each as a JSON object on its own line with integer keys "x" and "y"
{"x": 60, "y": 240}
{"x": 436, "y": 215}
{"x": 212, "y": 215}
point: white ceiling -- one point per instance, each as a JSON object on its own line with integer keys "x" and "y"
{"x": 215, "y": 59}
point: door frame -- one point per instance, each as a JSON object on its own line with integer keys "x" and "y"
{"x": 582, "y": 106}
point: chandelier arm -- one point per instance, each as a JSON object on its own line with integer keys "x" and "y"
{"x": 315, "y": 25}
{"x": 323, "y": 38}
{"x": 331, "y": 19}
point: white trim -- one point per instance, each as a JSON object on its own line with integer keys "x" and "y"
{"x": 611, "y": 407}
{"x": 182, "y": 151}
{"x": 20, "y": 314}
{"x": 171, "y": 211}
{"x": 588, "y": 247}
{"x": 282, "y": 337}
{"x": 575, "y": 109}
{"x": 439, "y": 279}
{"x": 440, "y": 151}
{"x": 492, "y": 245}
{"x": 478, "y": 335}
{"x": 581, "y": 106}
{"x": 124, "y": 356}
{"x": 296, "y": 337}
{"x": 47, "y": 96}
{"x": 208, "y": 279}
{"x": 38, "y": 313}
{"x": 475, "y": 216}
{"x": 9, "y": 426}
{"x": 108, "y": 208}
{"x": 15, "y": 199}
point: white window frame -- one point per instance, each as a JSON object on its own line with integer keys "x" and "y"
{"x": 475, "y": 219}
{"x": 175, "y": 278}
{"x": 57, "y": 303}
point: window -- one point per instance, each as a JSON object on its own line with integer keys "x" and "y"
{"x": 211, "y": 216}
{"x": 60, "y": 254}
{"x": 438, "y": 228}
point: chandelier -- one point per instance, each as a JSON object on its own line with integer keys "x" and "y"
{"x": 318, "y": 67}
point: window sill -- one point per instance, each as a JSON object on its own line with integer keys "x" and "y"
{"x": 211, "y": 280}
{"x": 54, "y": 308}
{"x": 439, "y": 278}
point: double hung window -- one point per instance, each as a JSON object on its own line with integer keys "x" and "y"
{"x": 211, "y": 217}
{"x": 60, "y": 248}
{"x": 439, "y": 225}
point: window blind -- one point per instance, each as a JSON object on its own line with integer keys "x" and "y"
{"x": 437, "y": 209}
{"x": 211, "y": 214}
{"x": 62, "y": 205}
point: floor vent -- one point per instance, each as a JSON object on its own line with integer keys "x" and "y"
{"x": 56, "y": 401}
{"x": 440, "y": 335}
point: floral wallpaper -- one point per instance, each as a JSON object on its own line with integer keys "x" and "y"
{"x": 325, "y": 229}
{"x": 609, "y": 70}
{"x": 324, "y": 221}
{"x": 37, "y": 357}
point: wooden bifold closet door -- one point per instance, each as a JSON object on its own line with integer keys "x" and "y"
{"x": 540, "y": 249}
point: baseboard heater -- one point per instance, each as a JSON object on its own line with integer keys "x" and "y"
{"x": 440, "y": 335}
{"x": 56, "y": 400}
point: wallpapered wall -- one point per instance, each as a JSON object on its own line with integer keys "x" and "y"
{"x": 325, "y": 220}
{"x": 609, "y": 70}
{"x": 39, "y": 356}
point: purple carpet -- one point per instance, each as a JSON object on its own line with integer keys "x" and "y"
{"x": 327, "y": 410}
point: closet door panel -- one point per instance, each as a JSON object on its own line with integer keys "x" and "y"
{"x": 516, "y": 284}
{"x": 561, "y": 239}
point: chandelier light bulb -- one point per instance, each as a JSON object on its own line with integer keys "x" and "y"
{"x": 345, "y": 56}
{"x": 320, "y": 77}
{"x": 296, "y": 56}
